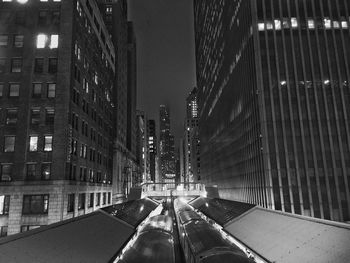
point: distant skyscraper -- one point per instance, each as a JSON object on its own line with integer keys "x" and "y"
{"x": 153, "y": 147}
{"x": 56, "y": 131}
{"x": 274, "y": 99}
{"x": 166, "y": 145}
{"x": 191, "y": 161}
{"x": 143, "y": 152}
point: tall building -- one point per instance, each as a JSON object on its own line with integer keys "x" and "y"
{"x": 143, "y": 151}
{"x": 56, "y": 125}
{"x": 191, "y": 141}
{"x": 153, "y": 148}
{"x": 274, "y": 99}
{"x": 166, "y": 146}
{"x": 124, "y": 98}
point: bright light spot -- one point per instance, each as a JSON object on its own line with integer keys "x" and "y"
{"x": 277, "y": 24}
{"x": 54, "y": 41}
{"x": 283, "y": 82}
{"x": 22, "y": 1}
{"x": 294, "y": 22}
{"x": 311, "y": 23}
{"x": 327, "y": 23}
{"x": 326, "y": 82}
{"x": 41, "y": 41}
{"x": 261, "y": 26}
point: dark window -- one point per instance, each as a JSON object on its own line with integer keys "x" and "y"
{"x": 6, "y": 172}
{"x": 42, "y": 19}
{"x": 37, "y": 87}
{"x": 4, "y": 40}
{"x": 98, "y": 199}
{"x": 18, "y": 41}
{"x": 4, "y": 204}
{"x": 56, "y": 18}
{"x": 91, "y": 200}
{"x": 51, "y": 90}
{"x": 52, "y": 65}
{"x": 81, "y": 201}
{"x": 3, "y": 231}
{"x": 109, "y": 197}
{"x": 16, "y": 65}
{"x": 11, "y": 116}
{"x": 45, "y": 171}
{"x": 25, "y": 228}
{"x": 20, "y": 17}
{"x": 1, "y": 89}
{"x": 35, "y": 204}
{"x": 50, "y": 116}
{"x": 2, "y": 65}
{"x": 39, "y": 65}
{"x": 14, "y": 90}
{"x": 70, "y": 203}
{"x": 35, "y": 116}
{"x": 9, "y": 145}
{"x": 31, "y": 171}
{"x": 104, "y": 198}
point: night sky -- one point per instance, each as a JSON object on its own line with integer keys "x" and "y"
{"x": 165, "y": 56}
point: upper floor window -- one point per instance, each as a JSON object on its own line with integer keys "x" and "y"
{"x": 1, "y": 89}
{"x": 16, "y": 65}
{"x": 33, "y": 143}
{"x": 37, "y": 87}
{"x": 11, "y": 116}
{"x": 43, "y": 41}
{"x": 52, "y": 65}
{"x": 51, "y": 90}
{"x": 38, "y": 65}
{"x": 18, "y": 41}
{"x": 9, "y": 144}
{"x": 70, "y": 203}
{"x": 48, "y": 143}
{"x": 45, "y": 171}
{"x": 35, "y": 204}
{"x": 4, "y": 204}
{"x": 2, "y": 65}
{"x": 4, "y": 40}
{"x": 5, "y": 172}
{"x": 14, "y": 90}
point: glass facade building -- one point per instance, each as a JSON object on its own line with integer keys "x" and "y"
{"x": 274, "y": 99}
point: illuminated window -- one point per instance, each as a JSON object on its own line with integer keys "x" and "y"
{"x": 277, "y": 24}
{"x": 54, "y": 41}
{"x": 48, "y": 143}
{"x": 6, "y": 172}
{"x": 45, "y": 171}
{"x": 336, "y": 24}
{"x": 41, "y": 40}
{"x": 35, "y": 204}
{"x": 22, "y": 1}
{"x": 33, "y": 143}
{"x": 9, "y": 145}
{"x": 311, "y": 23}
{"x": 344, "y": 24}
{"x": 327, "y": 23}
{"x": 294, "y": 22}
{"x": 37, "y": 90}
{"x": 4, "y": 204}
{"x": 269, "y": 25}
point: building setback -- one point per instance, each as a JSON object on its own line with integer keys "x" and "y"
{"x": 56, "y": 125}
{"x": 274, "y": 99}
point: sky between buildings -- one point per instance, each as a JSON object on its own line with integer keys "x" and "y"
{"x": 165, "y": 56}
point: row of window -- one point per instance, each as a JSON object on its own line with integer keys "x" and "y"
{"x": 91, "y": 201}
{"x": 10, "y": 141}
{"x": 92, "y": 177}
{"x": 35, "y": 118}
{"x": 17, "y": 64}
{"x": 25, "y": 1}
{"x": 17, "y": 40}
{"x": 34, "y": 171}
{"x": 38, "y": 90}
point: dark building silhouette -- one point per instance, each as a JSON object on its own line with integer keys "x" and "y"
{"x": 166, "y": 145}
{"x": 56, "y": 126}
{"x": 274, "y": 99}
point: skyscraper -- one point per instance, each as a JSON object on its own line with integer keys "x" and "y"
{"x": 191, "y": 161}
{"x": 56, "y": 131}
{"x": 153, "y": 147}
{"x": 274, "y": 99}
{"x": 166, "y": 145}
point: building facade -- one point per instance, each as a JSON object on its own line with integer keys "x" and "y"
{"x": 153, "y": 148}
{"x": 166, "y": 146}
{"x": 191, "y": 141}
{"x": 273, "y": 80}
{"x": 143, "y": 150}
{"x": 56, "y": 135}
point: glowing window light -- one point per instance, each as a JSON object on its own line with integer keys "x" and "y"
{"x": 261, "y": 26}
{"x": 269, "y": 25}
{"x": 41, "y": 41}
{"x": 336, "y": 24}
{"x": 277, "y": 24}
{"x": 54, "y": 41}
{"x": 33, "y": 143}
{"x": 327, "y": 23}
{"x": 294, "y": 22}
{"x": 344, "y": 24}
{"x": 22, "y": 1}
{"x": 326, "y": 82}
{"x": 311, "y": 23}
